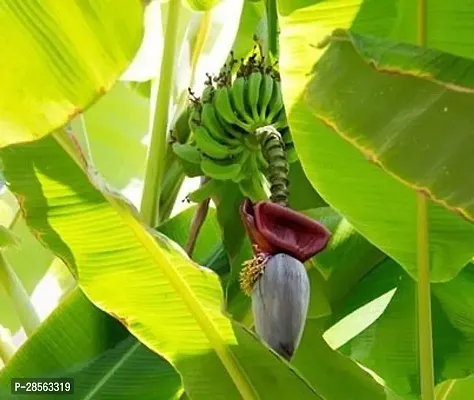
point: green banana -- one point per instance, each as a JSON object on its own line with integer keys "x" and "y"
{"x": 209, "y": 146}
{"x": 194, "y": 117}
{"x": 217, "y": 131}
{"x": 188, "y": 155}
{"x": 181, "y": 129}
{"x": 253, "y": 93}
{"x": 204, "y": 192}
{"x": 266, "y": 90}
{"x": 291, "y": 154}
{"x": 187, "y": 152}
{"x": 251, "y": 187}
{"x": 245, "y": 169}
{"x": 233, "y": 131}
{"x": 280, "y": 120}
{"x": 286, "y": 135}
{"x": 223, "y": 106}
{"x": 262, "y": 162}
{"x": 276, "y": 102}
{"x": 220, "y": 169}
{"x": 237, "y": 92}
{"x": 207, "y": 93}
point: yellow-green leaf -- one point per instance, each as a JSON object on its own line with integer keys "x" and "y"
{"x": 58, "y": 57}
{"x": 144, "y": 279}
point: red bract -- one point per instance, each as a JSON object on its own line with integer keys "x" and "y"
{"x": 276, "y": 229}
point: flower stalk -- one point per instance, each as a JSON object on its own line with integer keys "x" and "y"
{"x": 19, "y": 296}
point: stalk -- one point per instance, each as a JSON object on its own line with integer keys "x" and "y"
{"x": 7, "y": 349}
{"x": 19, "y": 296}
{"x": 273, "y": 149}
{"x": 272, "y": 27}
{"x": 425, "y": 336}
{"x": 150, "y": 208}
{"x": 425, "y": 340}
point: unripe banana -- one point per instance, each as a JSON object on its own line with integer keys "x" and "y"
{"x": 187, "y": 152}
{"x": 209, "y": 146}
{"x": 286, "y": 135}
{"x": 220, "y": 169}
{"x": 217, "y": 131}
{"x": 280, "y": 300}
{"x": 194, "y": 117}
{"x": 223, "y": 106}
{"x": 253, "y": 93}
{"x": 266, "y": 90}
{"x": 181, "y": 129}
{"x": 262, "y": 162}
{"x": 245, "y": 169}
{"x": 280, "y": 121}
{"x": 276, "y": 103}
{"x": 207, "y": 94}
{"x": 189, "y": 157}
{"x": 291, "y": 154}
{"x": 237, "y": 92}
{"x": 204, "y": 192}
{"x": 231, "y": 130}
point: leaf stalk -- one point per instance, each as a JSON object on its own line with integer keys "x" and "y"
{"x": 425, "y": 340}
{"x": 19, "y": 296}
{"x": 161, "y": 94}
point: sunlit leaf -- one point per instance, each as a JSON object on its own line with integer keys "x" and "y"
{"x": 66, "y": 54}
{"x": 170, "y": 303}
{"x": 375, "y": 203}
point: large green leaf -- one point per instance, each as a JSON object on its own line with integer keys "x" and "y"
{"x": 170, "y": 303}
{"x": 326, "y": 368}
{"x": 347, "y": 258}
{"x": 66, "y": 53}
{"x": 104, "y": 359}
{"x": 376, "y": 204}
{"x": 410, "y": 114}
{"x": 394, "y": 357}
{"x": 80, "y": 341}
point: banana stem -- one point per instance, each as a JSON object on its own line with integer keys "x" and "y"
{"x": 272, "y": 27}
{"x": 425, "y": 337}
{"x": 150, "y": 208}
{"x": 198, "y": 221}
{"x": 19, "y": 296}
{"x": 273, "y": 149}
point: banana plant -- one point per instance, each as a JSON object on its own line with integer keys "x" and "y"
{"x": 237, "y": 199}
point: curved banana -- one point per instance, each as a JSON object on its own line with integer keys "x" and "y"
{"x": 237, "y": 92}
{"x": 276, "y": 102}
{"x": 291, "y": 154}
{"x": 286, "y": 135}
{"x": 209, "y": 146}
{"x": 194, "y": 117}
{"x": 251, "y": 186}
{"x": 253, "y": 93}
{"x": 211, "y": 123}
{"x": 243, "y": 160}
{"x": 187, "y": 152}
{"x": 231, "y": 130}
{"x": 207, "y": 93}
{"x": 280, "y": 120}
{"x": 266, "y": 90}
{"x": 262, "y": 162}
{"x": 220, "y": 169}
{"x": 223, "y": 106}
{"x": 204, "y": 192}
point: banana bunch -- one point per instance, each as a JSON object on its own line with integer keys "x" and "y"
{"x": 245, "y": 96}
